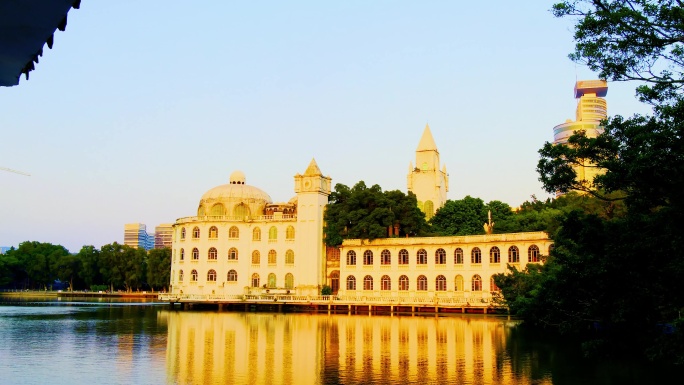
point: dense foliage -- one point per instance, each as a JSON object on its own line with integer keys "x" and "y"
{"x": 36, "y": 265}
{"x": 369, "y": 213}
{"x": 614, "y": 279}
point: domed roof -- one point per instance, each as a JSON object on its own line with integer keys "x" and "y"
{"x": 233, "y": 194}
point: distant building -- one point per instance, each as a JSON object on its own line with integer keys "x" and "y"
{"x": 135, "y": 235}
{"x": 4, "y": 249}
{"x": 426, "y": 179}
{"x": 591, "y": 110}
{"x": 163, "y": 235}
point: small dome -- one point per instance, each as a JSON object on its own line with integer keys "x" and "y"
{"x": 235, "y": 199}
{"x": 237, "y": 177}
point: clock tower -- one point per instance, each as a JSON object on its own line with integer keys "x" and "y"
{"x": 312, "y": 190}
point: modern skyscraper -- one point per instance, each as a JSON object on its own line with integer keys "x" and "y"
{"x": 163, "y": 235}
{"x": 135, "y": 235}
{"x": 426, "y": 180}
{"x": 591, "y": 110}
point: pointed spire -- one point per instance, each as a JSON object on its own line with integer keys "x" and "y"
{"x": 313, "y": 169}
{"x": 427, "y": 143}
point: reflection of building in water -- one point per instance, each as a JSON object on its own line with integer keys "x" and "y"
{"x": 301, "y": 348}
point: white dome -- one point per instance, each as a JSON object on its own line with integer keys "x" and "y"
{"x": 234, "y": 199}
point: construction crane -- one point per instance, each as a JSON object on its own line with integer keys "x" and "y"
{"x": 14, "y": 171}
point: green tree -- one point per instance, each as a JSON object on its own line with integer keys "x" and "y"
{"x": 122, "y": 266}
{"x": 37, "y": 261}
{"x": 159, "y": 268}
{"x": 9, "y": 266}
{"x": 370, "y": 213}
{"x": 616, "y": 272}
{"x": 90, "y": 266}
{"x": 67, "y": 268}
{"x": 460, "y": 217}
{"x": 631, "y": 40}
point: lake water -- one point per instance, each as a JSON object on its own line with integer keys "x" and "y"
{"x": 52, "y": 342}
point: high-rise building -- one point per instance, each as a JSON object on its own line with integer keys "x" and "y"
{"x": 591, "y": 110}
{"x": 163, "y": 235}
{"x": 426, "y": 180}
{"x": 135, "y": 235}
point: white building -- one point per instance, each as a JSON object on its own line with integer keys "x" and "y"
{"x": 240, "y": 242}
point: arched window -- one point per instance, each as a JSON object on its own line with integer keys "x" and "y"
{"x": 458, "y": 256}
{"x": 256, "y": 257}
{"x": 213, "y": 232}
{"x": 233, "y": 232}
{"x": 458, "y": 283}
{"x": 232, "y": 254}
{"x": 195, "y": 254}
{"x": 183, "y": 233}
{"x": 367, "y": 257}
{"x": 440, "y": 283}
{"x": 182, "y": 254}
{"x": 385, "y": 257}
{"x": 477, "y": 283}
{"x": 217, "y": 210}
{"x": 335, "y": 281}
{"x": 403, "y": 257}
{"x": 289, "y": 281}
{"x": 385, "y": 283}
{"x": 368, "y": 283}
{"x": 440, "y": 257}
{"x": 273, "y": 233}
{"x": 180, "y": 276}
{"x": 289, "y": 257}
{"x": 232, "y": 276}
{"x": 256, "y": 234}
{"x": 494, "y": 255}
{"x": 513, "y": 254}
{"x": 195, "y": 233}
{"x": 272, "y": 257}
{"x": 351, "y": 257}
{"x": 193, "y": 276}
{"x": 241, "y": 211}
{"x": 421, "y": 257}
{"x": 492, "y": 284}
{"x": 533, "y": 254}
{"x": 421, "y": 283}
{"x": 211, "y": 276}
{"x": 476, "y": 255}
{"x": 351, "y": 283}
{"x": 255, "y": 280}
{"x": 403, "y": 283}
{"x": 290, "y": 233}
{"x": 213, "y": 254}
{"x": 272, "y": 280}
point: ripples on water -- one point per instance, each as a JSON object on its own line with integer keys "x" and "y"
{"x": 113, "y": 343}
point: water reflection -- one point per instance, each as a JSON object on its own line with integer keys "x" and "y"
{"x": 253, "y": 348}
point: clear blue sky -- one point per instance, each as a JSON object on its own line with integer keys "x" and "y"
{"x": 142, "y": 106}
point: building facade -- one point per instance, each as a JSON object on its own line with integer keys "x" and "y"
{"x": 592, "y": 108}
{"x": 163, "y": 235}
{"x": 240, "y": 242}
{"x": 135, "y": 235}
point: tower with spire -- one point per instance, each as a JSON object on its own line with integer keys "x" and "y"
{"x": 312, "y": 190}
{"x": 426, "y": 180}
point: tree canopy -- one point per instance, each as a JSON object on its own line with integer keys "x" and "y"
{"x": 612, "y": 278}
{"x": 369, "y": 213}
